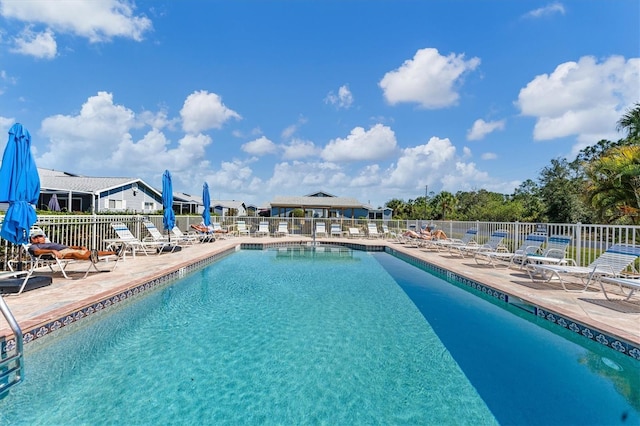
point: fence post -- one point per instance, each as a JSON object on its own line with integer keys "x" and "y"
{"x": 578, "y": 233}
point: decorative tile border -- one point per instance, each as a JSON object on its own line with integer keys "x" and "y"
{"x": 8, "y": 346}
{"x": 588, "y": 332}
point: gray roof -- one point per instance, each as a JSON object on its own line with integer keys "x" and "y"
{"x": 317, "y": 202}
{"x": 51, "y": 180}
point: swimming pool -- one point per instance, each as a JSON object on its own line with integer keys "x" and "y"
{"x": 338, "y": 338}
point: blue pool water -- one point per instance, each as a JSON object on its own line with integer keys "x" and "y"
{"x": 353, "y": 338}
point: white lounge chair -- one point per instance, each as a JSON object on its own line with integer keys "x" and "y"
{"x": 494, "y": 244}
{"x": 336, "y": 230}
{"x": 610, "y": 263}
{"x": 263, "y": 230}
{"x": 372, "y": 231}
{"x": 554, "y": 253}
{"x": 186, "y": 239}
{"x": 355, "y": 233}
{"x": 531, "y": 245}
{"x": 56, "y": 264}
{"x": 242, "y": 229}
{"x": 283, "y": 230}
{"x": 321, "y": 229}
{"x": 467, "y": 239}
{"x": 157, "y": 237}
{"x": 131, "y": 243}
{"x": 631, "y": 284}
{"x": 387, "y": 233}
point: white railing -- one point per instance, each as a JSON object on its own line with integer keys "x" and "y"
{"x": 588, "y": 240}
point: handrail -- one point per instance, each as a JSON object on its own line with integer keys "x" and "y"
{"x": 11, "y": 367}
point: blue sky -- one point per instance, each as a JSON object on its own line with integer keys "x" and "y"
{"x": 367, "y": 99}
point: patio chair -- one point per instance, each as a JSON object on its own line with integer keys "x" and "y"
{"x": 531, "y": 245}
{"x": 283, "y": 230}
{"x": 157, "y": 237}
{"x": 386, "y": 233}
{"x": 494, "y": 244}
{"x": 611, "y": 263}
{"x": 131, "y": 243}
{"x": 355, "y": 233}
{"x": 242, "y": 229}
{"x": 205, "y": 234}
{"x": 186, "y": 239}
{"x": 632, "y": 284}
{"x": 321, "y": 229}
{"x": 467, "y": 239}
{"x": 554, "y": 253}
{"x": 263, "y": 230}
{"x": 336, "y": 230}
{"x": 54, "y": 264}
{"x": 372, "y": 231}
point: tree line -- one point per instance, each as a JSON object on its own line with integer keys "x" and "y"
{"x": 601, "y": 185}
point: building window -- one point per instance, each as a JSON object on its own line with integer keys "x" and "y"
{"x": 148, "y": 205}
{"x": 116, "y": 204}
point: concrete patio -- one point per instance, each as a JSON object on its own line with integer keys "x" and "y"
{"x": 36, "y": 308}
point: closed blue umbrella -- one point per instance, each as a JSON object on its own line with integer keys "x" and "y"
{"x": 206, "y": 202}
{"x": 19, "y": 186}
{"x": 168, "y": 217}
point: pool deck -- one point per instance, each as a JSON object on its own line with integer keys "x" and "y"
{"x": 36, "y": 308}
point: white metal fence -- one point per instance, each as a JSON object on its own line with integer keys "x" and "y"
{"x": 588, "y": 240}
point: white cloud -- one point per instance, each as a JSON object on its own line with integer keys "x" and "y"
{"x": 379, "y": 142}
{"x": 203, "y": 110}
{"x": 289, "y": 131}
{"x": 260, "y": 146}
{"x": 550, "y": 9}
{"x": 583, "y": 98}
{"x": 299, "y": 177}
{"x": 40, "y": 45}
{"x": 95, "y": 20}
{"x": 344, "y": 98}
{"x": 482, "y": 128}
{"x": 418, "y": 165}
{"x": 489, "y": 156}
{"x": 299, "y": 148}
{"x": 99, "y": 138}
{"x": 428, "y": 79}
{"x": 82, "y": 142}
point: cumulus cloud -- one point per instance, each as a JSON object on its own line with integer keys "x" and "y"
{"x": 99, "y": 138}
{"x": 298, "y": 149}
{"x": 343, "y": 99}
{"x": 482, "y": 128}
{"x": 260, "y": 146}
{"x": 298, "y": 176}
{"x": 39, "y": 45}
{"x": 584, "y": 98}
{"x": 548, "y": 10}
{"x": 203, "y": 110}
{"x": 95, "y": 20}
{"x": 376, "y": 143}
{"x": 429, "y": 79}
{"x": 417, "y": 164}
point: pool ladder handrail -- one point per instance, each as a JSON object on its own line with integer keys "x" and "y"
{"x": 12, "y": 367}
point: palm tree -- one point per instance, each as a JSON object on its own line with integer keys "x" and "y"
{"x": 446, "y": 203}
{"x": 615, "y": 183}
{"x": 630, "y": 122}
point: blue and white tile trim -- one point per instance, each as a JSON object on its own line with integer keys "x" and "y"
{"x": 626, "y": 348}
{"x": 588, "y": 332}
{"x": 9, "y": 346}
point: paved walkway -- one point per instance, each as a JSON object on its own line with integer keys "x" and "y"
{"x": 38, "y": 307}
